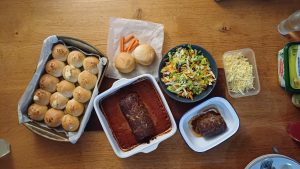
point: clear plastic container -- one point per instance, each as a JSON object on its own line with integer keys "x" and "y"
{"x": 291, "y": 24}
{"x": 4, "y": 148}
{"x": 248, "y": 53}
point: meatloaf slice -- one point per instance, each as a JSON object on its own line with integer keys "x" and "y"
{"x": 138, "y": 117}
{"x": 209, "y": 123}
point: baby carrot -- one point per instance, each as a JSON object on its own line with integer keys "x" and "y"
{"x": 126, "y": 49}
{"x": 130, "y": 45}
{"x": 122, "y": 44}
{"x": 127, "y": 39}
{"x": 136, "y": 43}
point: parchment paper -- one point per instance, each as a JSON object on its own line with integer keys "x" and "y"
{"x": 147, "y": 33}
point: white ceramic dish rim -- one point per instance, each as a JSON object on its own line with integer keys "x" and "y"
{"x": 266, "y": 156}
{"x": 195, "y": 111}
{"x": 145, "y": 148}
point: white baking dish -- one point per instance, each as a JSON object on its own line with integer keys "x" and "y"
{"x": 145, "y": 147}
{"x": 201, "y": 144}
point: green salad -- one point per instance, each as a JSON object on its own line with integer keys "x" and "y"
{"x": 187, "y": 72}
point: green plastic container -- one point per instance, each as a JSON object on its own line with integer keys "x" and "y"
{"x": 289, "y": 67}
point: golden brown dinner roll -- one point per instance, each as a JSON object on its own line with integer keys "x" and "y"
{"x": 70, "y": 73}
{"x": 41, "y": 97}
{"x": 74, "y": 108}
{"x": 75, "y": 58}
{"x": 55, "y": 67}
{"x": 70, "y": 123}
{"x": 58, "y": 101}
{"x": 60, "y": 52}
{"x": 90, "y": 64}
{"x": 53, "y": 117}
{"x": 37, "y": 112}
{"x": 81, "y": 94}
{"x": 144, "y": 54}
{"x": 125, "y": 62}
{"x": 48, "y": 83}
{"x": 65, "y": 88}
{"x": 87, "y": 80}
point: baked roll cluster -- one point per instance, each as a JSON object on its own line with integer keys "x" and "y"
{"x": 64, "y": 89}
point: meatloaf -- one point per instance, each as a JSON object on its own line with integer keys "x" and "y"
{"x": 209, "y": 124}
{"x": 138, "y": 117}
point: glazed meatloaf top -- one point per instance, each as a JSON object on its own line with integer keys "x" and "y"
{"x": 209, "y": 123}
{"x": 137, "y": 116}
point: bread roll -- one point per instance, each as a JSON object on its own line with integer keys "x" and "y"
{"x": 144, "y": 54}
{"x": 90, "y": 64}
{"x": 48, "y": 83}
{"x": 81, "y": 94}
{"x": 70, "y": 123}
{"x": 58, "y": 101}
{"x": 87, "y": 80}
{"x": 60, "y": 52}
{"x": 55, "y": 67}
{"x": 74, "y": 108}
{"x": 65, "y": 88}
{"x": 41, "y": 97}
{"x": 70, "y": 73}
{"x": 37, "y": 112}
{"x": 53, "y": 117}
{"x": 125, "y": 62}
{"x": 75, "y": 58}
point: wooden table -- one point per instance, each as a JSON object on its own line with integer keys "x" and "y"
{"x": 218, "y": 27}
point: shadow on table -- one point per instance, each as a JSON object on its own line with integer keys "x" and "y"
{"x": 7, "y": 161}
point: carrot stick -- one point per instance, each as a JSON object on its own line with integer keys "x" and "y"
{"x": 130, "y": 45}
{"x": 126, "y": 49}
{"x": 122, "y": 44}
{"x": 134, "y": 46}
{"x": 128, "y": 38}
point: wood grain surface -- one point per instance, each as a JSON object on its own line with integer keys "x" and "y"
{"x": 218, "y": 27}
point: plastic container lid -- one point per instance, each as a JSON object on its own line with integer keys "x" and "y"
{"x": 201, "y": 144}
{"x": 250, "y": 55}
{"x": 291, "y": 67}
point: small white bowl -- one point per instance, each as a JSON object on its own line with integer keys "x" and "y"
{"x": 145, "y": 147}
{"x": 201, "y": 144}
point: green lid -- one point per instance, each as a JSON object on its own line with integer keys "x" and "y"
{"x": 292, "y": 67}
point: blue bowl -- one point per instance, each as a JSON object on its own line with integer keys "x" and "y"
{"x": 204, "y": 93}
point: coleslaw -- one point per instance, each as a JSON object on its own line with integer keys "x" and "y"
{"x": 187, "y": 72}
